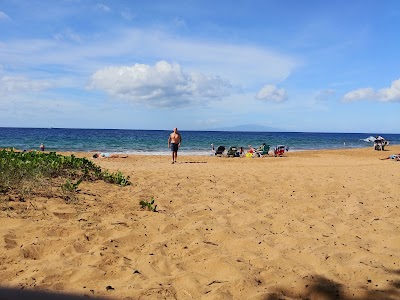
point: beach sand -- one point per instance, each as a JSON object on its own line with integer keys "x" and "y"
{"x": 309, "y": 225}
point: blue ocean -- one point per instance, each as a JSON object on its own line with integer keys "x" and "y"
{"x": 154, "y": 142}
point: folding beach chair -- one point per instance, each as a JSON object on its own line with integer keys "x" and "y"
{"x": 264, "y": 150}
{"x": 220, "y": 151}
{"x": 232, "y": 151}
{"x": 280, "y": 150}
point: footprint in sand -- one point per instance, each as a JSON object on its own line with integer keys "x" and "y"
{"x": 34, "y": 252}
{"x": 10, "y": 241}
{"x": 80, "y": 247}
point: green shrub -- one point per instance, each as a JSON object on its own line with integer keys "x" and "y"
{"x": 19, "y": 168}
{"x": 117, "y": 178}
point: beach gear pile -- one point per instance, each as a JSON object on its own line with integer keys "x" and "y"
{"x": 262, "y": 151}
{"x": 379, "y": 142}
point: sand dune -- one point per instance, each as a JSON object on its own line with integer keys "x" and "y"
{"x": 314, "y": 224}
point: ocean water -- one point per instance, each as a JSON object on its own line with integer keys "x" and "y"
{"x": 154, "y": 142}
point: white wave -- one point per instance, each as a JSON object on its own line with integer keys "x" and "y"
{"x": 167, "y": 153}
{"x": 369, "y": 139}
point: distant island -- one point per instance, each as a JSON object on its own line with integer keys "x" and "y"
{"x": 248, "y": 127}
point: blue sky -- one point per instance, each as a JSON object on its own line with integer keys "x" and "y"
{"x": 325, "y": 66}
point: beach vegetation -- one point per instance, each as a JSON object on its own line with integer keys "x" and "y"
{"x": 148, "y": 205}
{"x": 23, "y": 173}
{"x": 70, "y": 189}
{"x": 116, "y": 178}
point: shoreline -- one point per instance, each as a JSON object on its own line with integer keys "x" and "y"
{"x": 391, "y": 149}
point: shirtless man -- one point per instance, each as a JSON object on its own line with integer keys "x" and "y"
{"x": 174, "y": 142}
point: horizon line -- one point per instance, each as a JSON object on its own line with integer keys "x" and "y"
{"x": 207, "y": 130}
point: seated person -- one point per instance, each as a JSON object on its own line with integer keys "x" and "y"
{"x": 108, "y": 155}
{"x": 241, "y": 152}
{"x": 251, "y": 150}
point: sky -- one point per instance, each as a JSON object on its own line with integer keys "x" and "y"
{"x": 310, "y": 65}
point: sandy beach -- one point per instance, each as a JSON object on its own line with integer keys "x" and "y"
{"x": 309, "y": 225}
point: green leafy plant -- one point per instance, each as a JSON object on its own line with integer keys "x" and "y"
{"x": 116, "y": 178}
{"x": 68, "y": 186}
{"x": 19, "y": 170}
{"x": 70, "y": 190}
{"x": 149, "y": 205}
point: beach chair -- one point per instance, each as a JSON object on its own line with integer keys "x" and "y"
{"x": 232, "y": 151}
{"x": 265, "y": 150}
{"x": 385, "y": 143}
{"x": 280, "y": 150}
{"x": 220, "y": 151}
{"x": 378, "y": 145}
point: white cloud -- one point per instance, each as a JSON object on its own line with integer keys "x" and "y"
{"x": 271, "y": 93}
{"x": 103, "y": 7}
{"x": 324, "y": 95}
{"x": 178, "y": 22}
{"x": 10, "y": 85}
{"x": 390, "y": 94}
{"x": 127, "y": 15}
{"x": 360, "y": 94}
{"x": 247, "y": 66}
{"x": 68, "y": 34}
{"x": 162, "y": 85}
{"x": 4, "y": 16}
{"x": 243, "y": 64}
